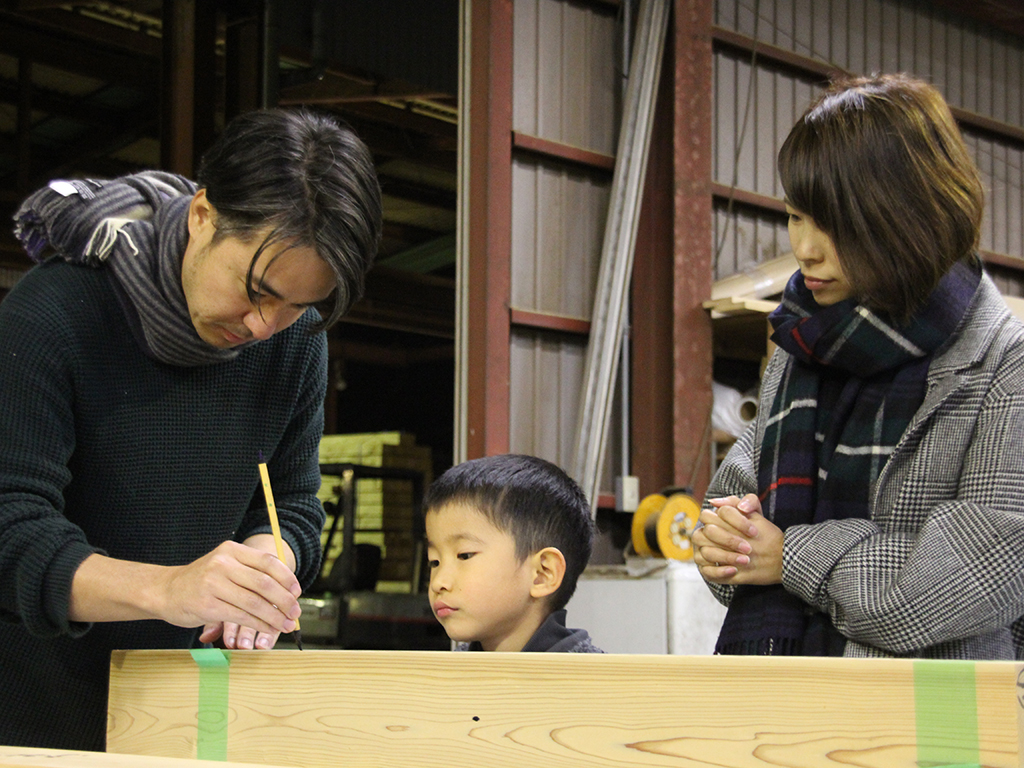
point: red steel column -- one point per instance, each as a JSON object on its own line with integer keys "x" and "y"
{"x": 693, "y": 243}
{"x": 490, "y": 227}
{"x": 652, "y": 331}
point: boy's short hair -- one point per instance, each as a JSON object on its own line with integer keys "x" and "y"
{"x": 532, "y": 500}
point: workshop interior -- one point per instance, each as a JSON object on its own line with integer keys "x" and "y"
{"x": 583, "y": 235}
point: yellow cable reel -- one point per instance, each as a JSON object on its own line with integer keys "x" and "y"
{"x": 662, "y": 525}
{"x": 649, "y": 507}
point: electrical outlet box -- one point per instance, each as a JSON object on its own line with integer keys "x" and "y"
{"x": 627, "y": 493}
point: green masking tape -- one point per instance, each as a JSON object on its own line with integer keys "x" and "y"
{"x": 945, "y": 700}
{"x": 212, "y": 737}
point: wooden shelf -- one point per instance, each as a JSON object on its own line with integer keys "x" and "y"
{"x": 731, "y": 306}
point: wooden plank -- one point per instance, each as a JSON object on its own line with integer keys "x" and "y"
{"x": 423, "y": 708}
{"x": 29, "y": 757}
{"x": 739, "y": 305}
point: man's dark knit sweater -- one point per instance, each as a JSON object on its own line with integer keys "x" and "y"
{"x": 107, "y": 450}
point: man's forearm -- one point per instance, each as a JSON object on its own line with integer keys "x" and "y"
{"x": 106, "y": 589}
{"x": 228, "y": 584}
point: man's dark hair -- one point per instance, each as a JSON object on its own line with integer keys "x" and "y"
{"x": 303, "y": 179}
{"x": 532, "y": 500}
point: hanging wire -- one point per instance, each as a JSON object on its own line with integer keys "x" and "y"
{"x": 740, "y": 138}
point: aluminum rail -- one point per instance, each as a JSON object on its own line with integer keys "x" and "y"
{"x": 618, "y": 247}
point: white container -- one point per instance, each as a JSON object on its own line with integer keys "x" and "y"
{"x": 665, "y": 608}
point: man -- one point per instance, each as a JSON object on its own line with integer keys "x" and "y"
{"x": 143, "y": 370}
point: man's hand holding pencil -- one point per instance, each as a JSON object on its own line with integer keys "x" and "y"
{"x": 244, "y": 594}
{"x": 241, "y": 584}
{"x": 247, "y": 635}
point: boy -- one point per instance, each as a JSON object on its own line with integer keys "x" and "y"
{"x": 507, "y": 538}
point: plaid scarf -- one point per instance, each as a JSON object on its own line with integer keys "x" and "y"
{"x": 849, "y": 390}
{"x": 138, "y": 226}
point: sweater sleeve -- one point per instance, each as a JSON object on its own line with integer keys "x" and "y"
{"x": 943, "y": 562}
{"x": 40, "y": 549}
{"x": 294, "y": 469}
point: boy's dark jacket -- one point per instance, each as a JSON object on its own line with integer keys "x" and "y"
{"x": 551, "y": 636}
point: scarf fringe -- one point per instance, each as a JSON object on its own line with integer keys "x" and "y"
{"x": 103, "y": 239}
{"x": 761, "y": 646}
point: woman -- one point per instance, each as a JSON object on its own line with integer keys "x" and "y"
{"x": 876, "y": 505}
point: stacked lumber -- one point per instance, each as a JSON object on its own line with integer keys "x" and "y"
{"x": 385, "y": 509}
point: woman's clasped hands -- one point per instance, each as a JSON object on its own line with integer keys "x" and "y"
{"x": 735, "y": 544}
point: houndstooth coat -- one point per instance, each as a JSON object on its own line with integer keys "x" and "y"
{"x": 937, "y": 571}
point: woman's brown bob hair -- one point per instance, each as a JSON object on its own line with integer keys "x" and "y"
{"x": 880, "y": 166}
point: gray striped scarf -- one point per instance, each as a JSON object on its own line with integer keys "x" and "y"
{"x": 138, "y": 227}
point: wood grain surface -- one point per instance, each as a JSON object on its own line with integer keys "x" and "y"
{"x": 31, "y": 757}
{"x": 425, "y": 709}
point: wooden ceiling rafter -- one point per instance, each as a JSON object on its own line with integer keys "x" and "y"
{"x": 98, "y": 142}
{"x": 53, "y": 102}
{"x": 30, "y": 37}
{"x": 129, "y": 31}
{"x": 418, "y": 193}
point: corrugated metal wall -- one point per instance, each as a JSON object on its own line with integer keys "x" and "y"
{"x": 566, "y": 75}
{"x": 546, "y": 377}
{"x": 977, "y": 68}
{"x": 558, "y": 219}
{"x": 565, "y": 83}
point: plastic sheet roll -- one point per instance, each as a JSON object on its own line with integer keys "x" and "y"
{"x": 757, "y": 281}
{"x": 733, "y": 410}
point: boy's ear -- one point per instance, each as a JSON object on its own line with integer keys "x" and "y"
{"x": 548, "y": 572}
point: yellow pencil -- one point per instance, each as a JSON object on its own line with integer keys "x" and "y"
{"x": 276, "y": 527}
